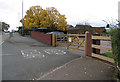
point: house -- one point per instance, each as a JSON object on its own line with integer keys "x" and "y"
{"x": 4, "y": 26}
{"x": 97, "y": 30}
{"x": 79, "y": 29}
{"x": 73, "y": 31}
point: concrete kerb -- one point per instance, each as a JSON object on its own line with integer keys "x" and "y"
{"x": 112, "y": 64}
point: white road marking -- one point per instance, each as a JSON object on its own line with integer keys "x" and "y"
{"x": 32, "y": 54}
{"x": 55, "y": 51}
{"x": 1, "y": 42}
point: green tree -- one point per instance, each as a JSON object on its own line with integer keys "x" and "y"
{"x": 107, "y": 26}
{"x": 104, "y": 31}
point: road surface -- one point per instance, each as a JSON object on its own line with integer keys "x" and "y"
{"x": 24, "y": 58}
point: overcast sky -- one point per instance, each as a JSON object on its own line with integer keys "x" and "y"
{"x": 76, "y": 11}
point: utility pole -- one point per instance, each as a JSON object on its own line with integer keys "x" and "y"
{"x": 22, "y": 16}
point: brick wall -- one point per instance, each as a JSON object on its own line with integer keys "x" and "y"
{"x": 45, "y": 38}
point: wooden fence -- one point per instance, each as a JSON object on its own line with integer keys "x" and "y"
{"x": 90, "y": 43}
{"x": 98, "y": 47}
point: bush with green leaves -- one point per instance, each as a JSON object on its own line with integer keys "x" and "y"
{"x": 25, "y": 31}
{"x": 115, "y": 35}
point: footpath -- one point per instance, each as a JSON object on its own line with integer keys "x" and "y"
{"x": 83, "y": 68}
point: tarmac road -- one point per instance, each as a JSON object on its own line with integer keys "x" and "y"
{"x": 24, "y": 58}
{"x": 3, "y": 37}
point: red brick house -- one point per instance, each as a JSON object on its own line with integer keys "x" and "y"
{"x": 78, "y": 29}
{"x": 97, "y": 30}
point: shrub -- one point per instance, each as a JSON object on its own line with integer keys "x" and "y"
{"x": 115, "y": 35}
{"x": 26, "y": 31}
{"x": 108, "y": 54}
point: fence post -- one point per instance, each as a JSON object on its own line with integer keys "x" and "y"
{"x": 53, "y": 40}
{"x": 88, "y": 44}
{"x": 67, "y": 41}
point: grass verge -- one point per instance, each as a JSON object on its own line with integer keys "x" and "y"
{"x": 108, "y": 54}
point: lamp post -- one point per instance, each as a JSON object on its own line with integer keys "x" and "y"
{"x": 22, "y": 16}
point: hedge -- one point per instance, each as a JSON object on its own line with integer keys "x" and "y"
{"x": 115, "y": 35}
{"x": 26, "y": 31}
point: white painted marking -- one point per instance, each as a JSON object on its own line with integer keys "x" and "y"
{"x": 43, "y": 55}
{"x": 32, "y": 54}
{"x": 55, "y": 52}
{"x": 2, "y": 43}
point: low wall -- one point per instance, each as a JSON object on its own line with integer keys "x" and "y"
{"x": 45, "y": 38}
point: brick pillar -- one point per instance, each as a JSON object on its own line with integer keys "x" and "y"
{"x": 88, "y": 44}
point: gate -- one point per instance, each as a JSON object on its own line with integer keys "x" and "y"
{"x": 62, "y": 40}
{"x": 75, "y": 41}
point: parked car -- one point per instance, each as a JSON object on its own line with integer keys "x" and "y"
{"x": 60, "y": 35}
{"x": 6, "y": 31}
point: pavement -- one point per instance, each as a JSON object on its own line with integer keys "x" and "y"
{"x": 83, "y": 68}
{"x": 72, "y": 66}
{"x": 3, "y": 37}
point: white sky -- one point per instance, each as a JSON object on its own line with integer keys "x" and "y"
{"x": 76, "y": 11}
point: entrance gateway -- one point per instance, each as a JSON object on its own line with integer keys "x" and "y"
{"x": 84, "y": 43}
{"x": 75, "y": 41}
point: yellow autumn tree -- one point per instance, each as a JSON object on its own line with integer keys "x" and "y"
{"x": 44, "y": 23}
{"x": 44, "y": 18}
{"x": 62, "y": 24}
{"x": 32, "y": 19}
